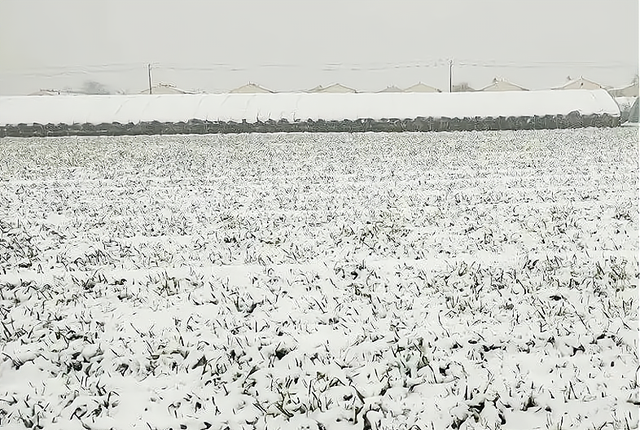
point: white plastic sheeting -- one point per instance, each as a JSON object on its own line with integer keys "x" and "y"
{"x": 299, "y": 106}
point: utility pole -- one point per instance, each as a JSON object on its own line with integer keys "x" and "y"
{"x": 149, "y": 69}
{"x": 450, "y": 74}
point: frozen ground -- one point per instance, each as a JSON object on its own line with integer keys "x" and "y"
{"x": 320, "y": 281}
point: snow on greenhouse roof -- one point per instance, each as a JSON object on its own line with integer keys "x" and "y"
{"x": 299, "y": 106}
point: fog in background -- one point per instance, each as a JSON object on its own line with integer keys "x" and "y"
{"x": 288, "y": 45}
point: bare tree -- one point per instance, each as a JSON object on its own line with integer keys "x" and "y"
{"x": 94, "y": 87}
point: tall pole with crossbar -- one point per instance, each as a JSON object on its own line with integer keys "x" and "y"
{"x": 149, "y": 69}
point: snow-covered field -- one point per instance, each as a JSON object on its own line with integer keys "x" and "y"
{"x": 320, "y": 281}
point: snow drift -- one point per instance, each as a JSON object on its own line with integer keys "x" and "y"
{"x": 303, "y": 107}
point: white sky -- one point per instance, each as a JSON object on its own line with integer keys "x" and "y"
{"x": 284, "y": 45}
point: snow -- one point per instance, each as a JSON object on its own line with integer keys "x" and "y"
{"x": 299, "y": 106}
{"x": 320, "y": 281}
{"x": 625, "y": 103}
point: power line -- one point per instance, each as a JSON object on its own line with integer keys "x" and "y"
{"x": 546, "y": 65}
{"x": 58, "y": 71}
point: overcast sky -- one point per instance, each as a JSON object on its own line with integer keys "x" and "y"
{"x": 297, "y": 44}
